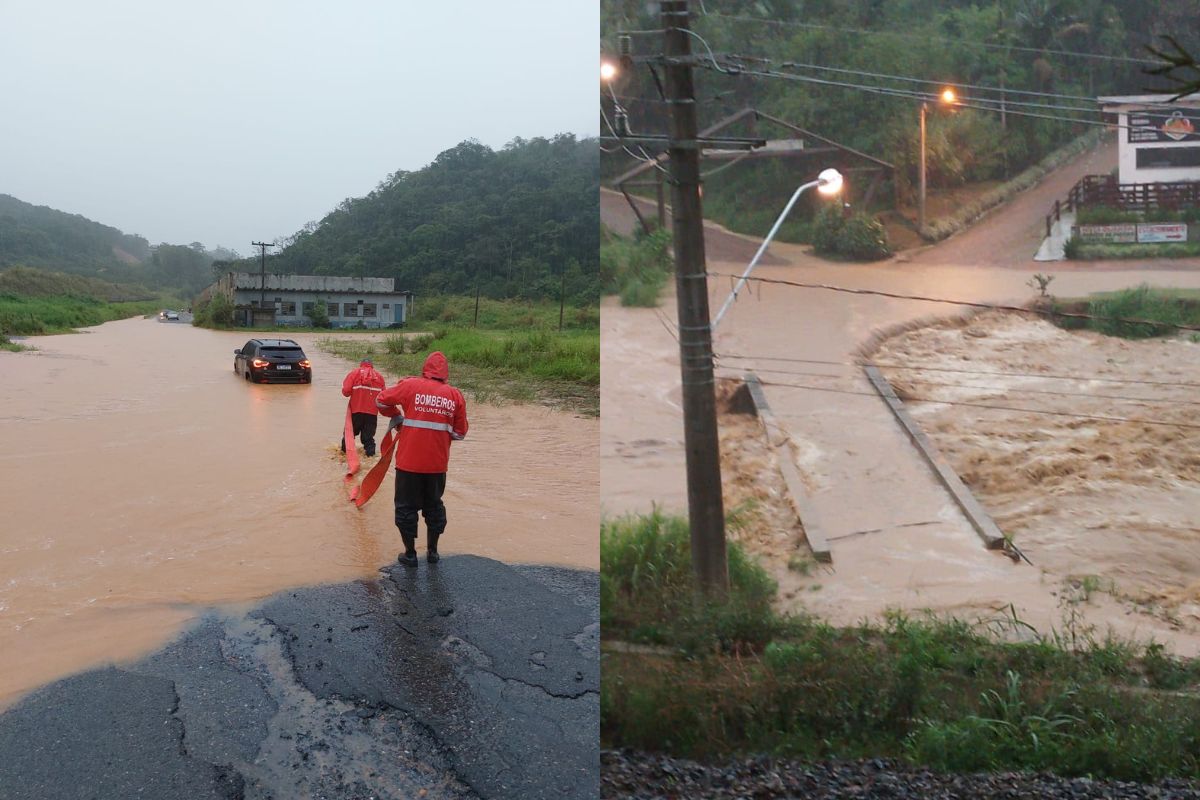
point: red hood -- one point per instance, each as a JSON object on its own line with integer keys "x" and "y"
{"x": 436, "y": 367}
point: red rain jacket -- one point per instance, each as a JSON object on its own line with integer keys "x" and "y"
{"x": 434, "y": 412}
{"x": 363, "y": 386}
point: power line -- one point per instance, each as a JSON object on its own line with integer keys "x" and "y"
{"x": 923, "y": 96}
{"x": 991, "y": 406}
{"x": 960, "y": 370}
{"x": 973, "y": 42}
{"x": 966, "y": 303}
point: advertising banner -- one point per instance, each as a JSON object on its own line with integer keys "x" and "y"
{"x": 1173, "y": 126}
{"x": 1162, "y": 232}
{"x": 1125, "y": 232}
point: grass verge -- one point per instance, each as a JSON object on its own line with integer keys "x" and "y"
{"x": 30, "y": 316}
{"x": 1168, "y": 306}
{"x": 556, "y": 369}
{"x": 11, "y": 346}
{"x": 739, "y": 677}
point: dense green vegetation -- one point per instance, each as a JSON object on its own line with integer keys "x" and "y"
{"x": 854, "y": 237}
{"x": 740, "y": 677}
{"x": 34, "y": 301}
{"x": 930, "y": 40}
{"x": 506, "y": 222}
{"x": 557, "y": 369}
{"x": 637, "y": 268}
{"x": 1168, "y": 306}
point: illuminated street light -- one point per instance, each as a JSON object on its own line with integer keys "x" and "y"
{"x": 607, "y": 71}
{"x": 829, "y": 182}
{"x": 947, "y": 98}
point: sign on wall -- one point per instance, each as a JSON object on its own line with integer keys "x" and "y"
{"x": 1175, "y": 126}
{"x": 1162, "y": 232}
{"x": 1125, "y": 232}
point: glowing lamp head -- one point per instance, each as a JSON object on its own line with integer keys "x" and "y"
{"x": 607, "y": 71}
{"x": 829, "y": 182}
{"x": 948, "y": 96}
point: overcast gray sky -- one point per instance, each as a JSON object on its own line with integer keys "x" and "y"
{"x": 227, "y": 121}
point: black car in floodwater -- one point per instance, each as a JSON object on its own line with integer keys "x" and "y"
{"x": 272, "y": 361}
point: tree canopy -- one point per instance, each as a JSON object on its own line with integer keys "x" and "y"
{"x": 511, "y": 223}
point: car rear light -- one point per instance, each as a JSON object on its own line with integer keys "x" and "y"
{"x": 304, "y": 362}
{"x": 259, "y": 363}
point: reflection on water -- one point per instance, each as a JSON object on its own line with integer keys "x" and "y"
{"x": 141, "y": 481}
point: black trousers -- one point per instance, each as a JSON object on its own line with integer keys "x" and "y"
{"x": 364, "y": 426}
{"x": 420, "y": 492}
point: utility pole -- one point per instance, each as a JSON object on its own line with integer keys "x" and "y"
{"x": 562, "y": 294}
{"x": 262, "y": 289}
{"x": 706, "y": 512}
{"x": 921, "y": 176}
{"x": 475, "y": 324}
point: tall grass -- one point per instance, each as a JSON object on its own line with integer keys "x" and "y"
{"x": 41, "y": 315}
{"x": 944, "y": 693}
{"x": 635, "y": 269}
{"x": 552, "y": 367}
{"x": 459, "y": 311}
{"x": 1167, "y": 306}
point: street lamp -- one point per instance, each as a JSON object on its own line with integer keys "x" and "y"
{"x": 607, "y": 71}
{"x": 828, "y": 183}
{"x": 947, "y": 97}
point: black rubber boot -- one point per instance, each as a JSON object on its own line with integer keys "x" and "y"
{"x": 409, "y": 557}
{"x": 432, "y": 554}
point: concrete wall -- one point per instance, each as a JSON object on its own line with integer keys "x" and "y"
{"x": 280, "y": 298}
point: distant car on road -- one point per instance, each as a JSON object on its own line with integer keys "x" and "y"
{"x": 168, "y": 316}
{"x": 272, "y": 361}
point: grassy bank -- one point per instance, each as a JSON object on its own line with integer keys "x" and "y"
{"x": 635, "y": 269}
{"x": 28, "y": 316}
{"x": 1168, "y": 306}
{"x": 560, "y": 370}
{"x": 34, "y": 301}
{"x": 739, "y": 677}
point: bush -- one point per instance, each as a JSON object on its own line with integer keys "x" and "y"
{"x": 635, "y": 269}
{"x": 319, "y": 315}
{"x": 856, "y": 238}
{"x": 214, "y": 312}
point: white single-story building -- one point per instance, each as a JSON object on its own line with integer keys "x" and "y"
{"x": 349, "y": 302}
{"x": 1157, "y": 141}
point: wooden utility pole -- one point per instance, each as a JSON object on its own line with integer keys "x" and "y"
{"x": 921, "y": 176}
{"x": 262, "y": 285}
{"x": 475, "y": 324}
{"x": 706, "y": 511}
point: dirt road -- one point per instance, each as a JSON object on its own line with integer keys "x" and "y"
{"x": 142, "y": 483}
{"x": 863, "y": 473}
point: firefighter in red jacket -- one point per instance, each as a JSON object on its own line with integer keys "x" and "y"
{"x": 363, "y": 386}
{"x": 430, "y": 414}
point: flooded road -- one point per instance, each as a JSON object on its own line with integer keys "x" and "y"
{"x": 863, "y": 474}
{"x": 141, "y": 482}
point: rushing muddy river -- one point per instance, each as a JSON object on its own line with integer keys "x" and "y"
{"x": 142, "y": 482}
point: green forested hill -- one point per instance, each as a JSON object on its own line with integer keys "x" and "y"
{"x": 38, "y": 236}
{"x": 1030, "y": 46}
{"x": 506, "y": 221}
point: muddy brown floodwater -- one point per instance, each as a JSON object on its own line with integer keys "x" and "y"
{"x": 142, "y": 482}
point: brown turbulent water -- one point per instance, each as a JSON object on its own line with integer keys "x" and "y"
{"x": 142, "y": 482}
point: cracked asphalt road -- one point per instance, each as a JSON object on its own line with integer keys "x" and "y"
{"x": 467, "y": 679}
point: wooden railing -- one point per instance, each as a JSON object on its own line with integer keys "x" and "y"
{"x": 1103, "y": 191}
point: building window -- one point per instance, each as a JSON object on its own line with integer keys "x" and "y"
{"x": 286, "y": 307}
{"x": 386, "y": 306}
{"x": 332, "y": 309}
{"x": 1167, "y": 157}
{"x": 368, "y": 309}
{"x": 351, "y": 309}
